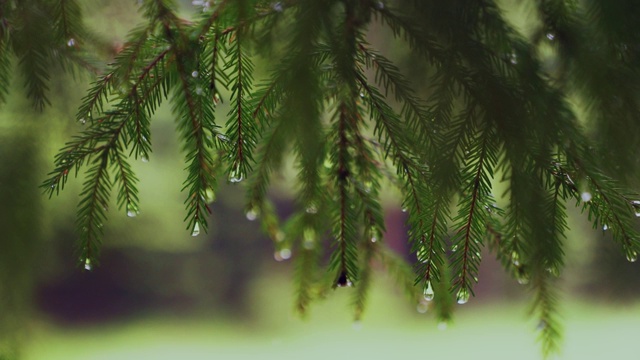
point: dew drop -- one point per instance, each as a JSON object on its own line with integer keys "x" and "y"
{"x": 605, "y": 227}
{"x": 223, "y": 138}
{"x": 357, "y": 325}
{"x": 132, "y": 210}
{"x": 209, "y": 196}
{"x": 285, "y": 254}
{"x": 585, "y": 196}
{"x": 442, "y": 325}
{"x": 343, "y": 280}
{"x": 198, "y": 90}
{"x": 463, "y": 296}
{"x": 404, "y": 209}
{"x": 380, "y": 5}
{"x": 428, "y": 291}
{"x": 312, "y": 209}
{"x": 636, "y": 207}
{"x": 277, "y": 257}
{"x": 374, "y": 239}
{"x": 551, "y": 36}
{"x": 632, "y": 256}
{"x": 83, "y": 121}
{"x": 522, "y": 277}
{"x": 252, "y": 214}
{"x": 196, "y": 230}
{"x": 362, "y": 95}
{"x": 515, "y": 259}
{"x": 87, "y": 265}
{"x": 144, "y": 159}
{"x": 541, "y": 325}
{"x": 194, "y": 74}
{"x": 71, "y": 42}
{"x": 235, "y": 176}
{"x": 277, "y": 7}
{"x": 422, "y": 307}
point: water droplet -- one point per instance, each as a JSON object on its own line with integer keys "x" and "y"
{"x": 194, "y": 74}
{"x": 144, "y": 159}
{"x": 380, "y": 5}
{"x": 404, "y": 209}
{"x": 285, "y": 254}
{"x": 551, "y": 36}
{"x": 235, "y": 175}
{"x": 442, "y": 325}
{"x": 632, "y": 256}
{"x": 515, "y": 259}
{"x": 223, "y": 138}
{"x": 83, "y": 121}
{"x": 463, "y": 296}
{"x": 428, "y": 291}
{"x": 252, "y": 214}
{"x": 374, "y": 239}
{"x": 521, "y": 276}
{"x": 132, "y": 210}
{"x": 362, "y": 95}
{"x": 312, "y": 209}
{"x": 541, "y": 325}
{"x": 343, "y": 280}
{"x": 198, "y": 90}
{"x": 209, "y": 196}
{"x": 605, "y": 227}
{"x": 277, "y": 7}
{"x": 586, "y": 196}
{"x": 422, "y": 307}
{"x": 87, "y": 265}
{"x": 513, "y": 58}
{"x": 196, "y": 230}
{"x": 636, "y": 207}
{"x": 357, "y": 325}
{"x": 282, "y": 254}
{"x": 71, "y": 42}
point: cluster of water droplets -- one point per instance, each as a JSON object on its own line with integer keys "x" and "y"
{"x": 87, "y": 264}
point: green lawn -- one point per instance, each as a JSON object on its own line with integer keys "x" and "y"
{"x": 390, "y": 330}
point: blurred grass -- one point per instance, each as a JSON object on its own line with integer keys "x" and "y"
{"x": 391, "y": 329}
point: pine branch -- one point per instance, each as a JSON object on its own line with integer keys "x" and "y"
{"x": 474, "y": 208}
{"x": 241, "y": 127}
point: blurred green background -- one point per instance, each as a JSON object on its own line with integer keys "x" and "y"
{"x": 163, "y": 294}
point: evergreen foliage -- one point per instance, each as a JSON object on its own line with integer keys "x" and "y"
{"x": 499, "y": 107}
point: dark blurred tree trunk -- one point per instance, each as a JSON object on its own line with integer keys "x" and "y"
{"x": 20, "y": 229}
